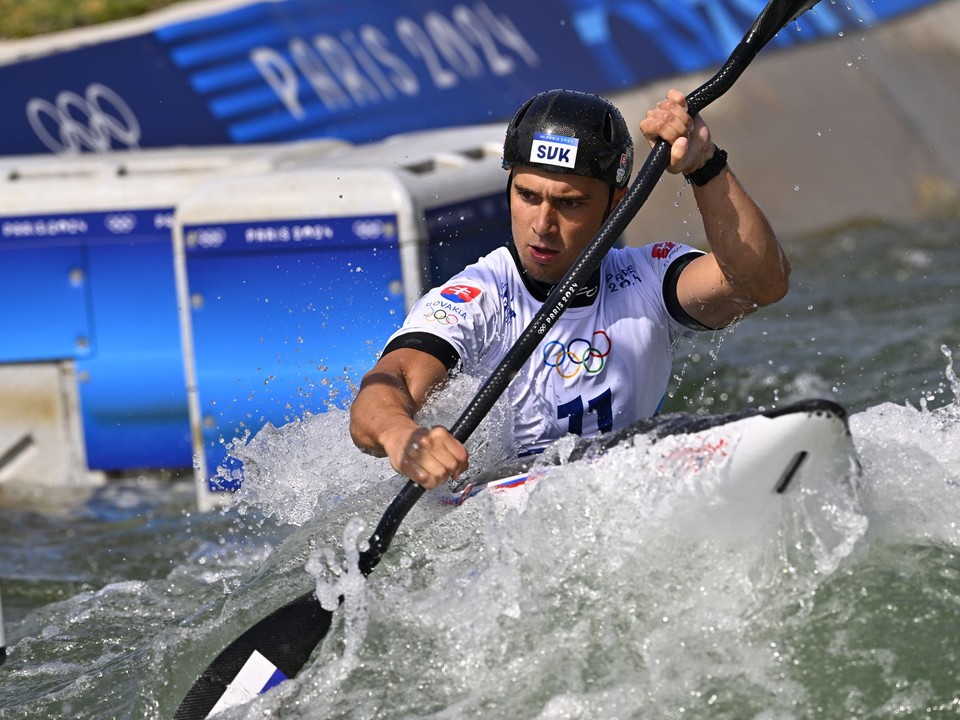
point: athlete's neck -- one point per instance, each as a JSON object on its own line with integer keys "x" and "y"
{"x": 540, "y": 289}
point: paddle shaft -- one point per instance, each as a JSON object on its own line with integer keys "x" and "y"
{"x": 774, "y": 16}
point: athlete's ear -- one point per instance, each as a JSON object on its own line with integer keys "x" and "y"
{"x": 618, "y": 196}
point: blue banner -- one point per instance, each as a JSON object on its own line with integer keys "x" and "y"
{"x": 295, "y": 236}
{"x": 363, "y": 70}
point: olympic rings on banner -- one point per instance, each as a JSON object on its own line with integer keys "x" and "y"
{"x": 92, "y": 122}
{"x": 579, "y": 354}
{"x": 442, "y": 317}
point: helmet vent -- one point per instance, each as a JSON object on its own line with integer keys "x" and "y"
{"x": 521, "y": 113}
{"x": 608, "y": 128}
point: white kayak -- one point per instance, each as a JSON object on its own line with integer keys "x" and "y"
{"x": 758, "y": 454}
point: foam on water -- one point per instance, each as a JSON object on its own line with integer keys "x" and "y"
{"x": 912, "y": 459}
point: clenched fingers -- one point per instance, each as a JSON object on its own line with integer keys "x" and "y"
{"x": 688, "y": 136}
{"x": 431, "y": 457}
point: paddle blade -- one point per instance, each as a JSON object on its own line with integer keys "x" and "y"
{"x": 273, "y": 650}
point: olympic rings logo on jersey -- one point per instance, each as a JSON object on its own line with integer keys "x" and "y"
{"x": 98, "y": 121}
{"x": 442, "y": 317}
{"x": 578, "y": 354}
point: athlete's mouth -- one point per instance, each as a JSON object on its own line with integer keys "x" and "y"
{"x": 543, "y": 254}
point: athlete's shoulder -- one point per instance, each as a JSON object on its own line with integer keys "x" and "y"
{"x": 488, "y": 268}
{"x": 667, "y": 250}
{"x": 499, "y": 261}
{"x": 655, "y": 256}
{"x": 478, "y": 286}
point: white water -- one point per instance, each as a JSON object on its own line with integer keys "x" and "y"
{"x": 618, "y": 592}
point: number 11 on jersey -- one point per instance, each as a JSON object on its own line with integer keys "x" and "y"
{"x": 602, "y": 405}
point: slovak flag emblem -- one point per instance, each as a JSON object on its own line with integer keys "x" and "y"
{"x": 460, "y": 293}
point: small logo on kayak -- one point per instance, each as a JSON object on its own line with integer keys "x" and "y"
{"x": 460, "y": 293}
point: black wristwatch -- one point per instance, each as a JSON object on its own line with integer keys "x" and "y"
{"x": 711, "y": 168}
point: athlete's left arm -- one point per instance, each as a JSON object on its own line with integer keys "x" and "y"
{"x": 746, "y": 269}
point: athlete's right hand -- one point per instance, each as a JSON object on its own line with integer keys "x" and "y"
{"x": 429, "y": 457}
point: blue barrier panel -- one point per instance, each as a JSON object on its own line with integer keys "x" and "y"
{"x": 290, "y": 69}
{"x": 99, "y": 288}
{"x": 460, "y": 233}
{"x": 286, "y": 315}
{"x": 44, "y": 303}
{"x": 132, "y": 389}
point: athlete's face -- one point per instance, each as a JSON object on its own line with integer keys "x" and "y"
{"x": 554, "y": 217}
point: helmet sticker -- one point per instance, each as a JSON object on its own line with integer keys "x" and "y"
{"x": 622, "y": 169}
{"x": 553, "y": 149}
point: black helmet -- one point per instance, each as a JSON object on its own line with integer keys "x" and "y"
{"x": 572, "y": 132}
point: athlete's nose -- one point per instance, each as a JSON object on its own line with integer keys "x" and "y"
{"x": 544, "y": 222}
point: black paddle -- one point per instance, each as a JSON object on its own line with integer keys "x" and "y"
{"x": 288, "y": 636}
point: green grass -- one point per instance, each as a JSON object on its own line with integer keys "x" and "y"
{"x": 25, "y": 18}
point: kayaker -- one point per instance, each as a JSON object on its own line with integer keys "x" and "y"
{"x": 607, "y": 361}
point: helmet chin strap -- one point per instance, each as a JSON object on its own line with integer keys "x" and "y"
{"x": 609, "y": 205}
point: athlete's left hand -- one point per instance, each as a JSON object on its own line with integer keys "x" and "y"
{"x": 689, "y": 137}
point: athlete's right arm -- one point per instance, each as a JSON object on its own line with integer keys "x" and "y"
{"x": 382, "y": 424}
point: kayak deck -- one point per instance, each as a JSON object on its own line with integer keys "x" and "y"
{"x": 763, "y": 451}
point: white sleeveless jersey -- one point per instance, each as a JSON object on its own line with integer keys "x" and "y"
{"x": 599, "y": 368}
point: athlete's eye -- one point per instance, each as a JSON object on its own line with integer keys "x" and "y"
{"x": 570, "y": 203}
